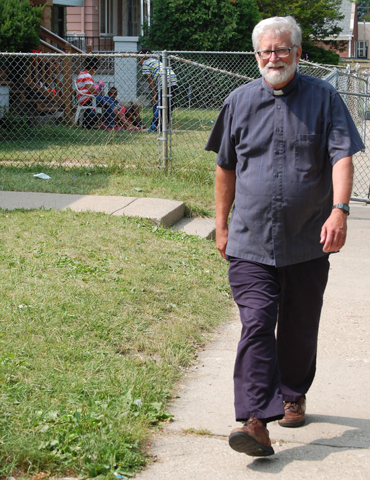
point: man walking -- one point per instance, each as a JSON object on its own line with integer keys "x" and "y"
{"x": 285, "y": 144}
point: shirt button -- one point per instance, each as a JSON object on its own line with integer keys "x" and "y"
{"x": 276, "y": 175}
{"x": 277, "y": 130}
{"x": 278, "y": 107}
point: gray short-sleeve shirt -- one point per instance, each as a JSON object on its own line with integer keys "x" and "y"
{"x": 283, "y": 145}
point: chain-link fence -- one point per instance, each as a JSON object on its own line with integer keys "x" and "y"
{"x": 353, "y": 90}
{"x": 43, "y": 121}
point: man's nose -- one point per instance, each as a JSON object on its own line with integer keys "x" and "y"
{"x": 274, "y": 57}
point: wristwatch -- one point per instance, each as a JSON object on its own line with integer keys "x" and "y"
{"x": 342, "y": 206}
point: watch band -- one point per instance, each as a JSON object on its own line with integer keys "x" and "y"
{"x": 342, "y": 206}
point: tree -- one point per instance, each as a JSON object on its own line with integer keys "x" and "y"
{"x": 19, "y": 26}
{"x": 219, "y": 25}
{"x": 363, "y": 10}
{"x": 318, "y": 20}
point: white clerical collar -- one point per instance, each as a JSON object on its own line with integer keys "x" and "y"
{"x": 278, "y": 92}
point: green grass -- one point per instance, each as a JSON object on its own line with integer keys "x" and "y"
{"x": 196, "y": 190}
{"x": 99, "y": 316}
{"x": 114, "y": 163}
{"x": 49, "y": 143}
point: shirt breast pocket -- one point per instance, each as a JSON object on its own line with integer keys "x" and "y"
{"x": 308, "y": 152}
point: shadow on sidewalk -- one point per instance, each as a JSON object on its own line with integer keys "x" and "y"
{"x": 356, "y": 437}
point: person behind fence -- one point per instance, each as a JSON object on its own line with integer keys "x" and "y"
{"x": 86, "y": 86}
{"x": 127, "y": 116}
{"x": 284, "y": 145}
{"x": 152, "y": 68}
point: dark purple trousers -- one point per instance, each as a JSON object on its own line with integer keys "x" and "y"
{"x": 271, "y": 369}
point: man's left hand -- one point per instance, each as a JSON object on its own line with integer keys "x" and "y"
{"x": 334, "y": 231}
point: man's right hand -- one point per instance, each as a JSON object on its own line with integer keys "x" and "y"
{"x": 221, "y": 240}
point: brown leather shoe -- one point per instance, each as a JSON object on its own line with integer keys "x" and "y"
{"x": 294, "y": 413}
{"x": 252, "y": 438}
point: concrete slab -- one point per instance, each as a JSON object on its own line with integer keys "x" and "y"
{"x": 100, "y": 203}
{"x": 59, "y": 201}
{"x": 201, "y": 227}
{"x": 162, "y": 212}
{"x": 30, "y": 200}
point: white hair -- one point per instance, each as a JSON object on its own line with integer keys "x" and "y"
{"x": 278, "y": 25}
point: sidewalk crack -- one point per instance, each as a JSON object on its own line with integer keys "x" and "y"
{"x": 122, "y": 208}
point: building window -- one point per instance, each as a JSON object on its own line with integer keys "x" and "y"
{"x": 133, "y": 17}
{"x": 58, "y": 20}
{"x": 361, "y": 49}
{"x": 107, "y": 11}
{"x": 136, "y": 20}
{"x": 146, "y": 11}
{"x": 134, "y": 14}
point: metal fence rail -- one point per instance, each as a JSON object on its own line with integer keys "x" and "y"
{"x": 38, "y": 109}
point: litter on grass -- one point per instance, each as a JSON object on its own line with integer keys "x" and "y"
{"x": 42, "y": 175}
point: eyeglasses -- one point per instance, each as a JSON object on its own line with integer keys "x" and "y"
{"x": 279, "y": 52}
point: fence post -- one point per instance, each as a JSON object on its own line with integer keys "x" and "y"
{"x": 164, "y": 110}
{"x": 67, "y": 85}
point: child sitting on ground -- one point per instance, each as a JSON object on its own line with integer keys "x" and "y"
{"x": 127, "y": 116}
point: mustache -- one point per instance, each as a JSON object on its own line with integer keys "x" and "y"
{"x": 274, "y": 65}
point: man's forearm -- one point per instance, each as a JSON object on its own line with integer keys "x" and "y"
{"x": 225, "y": 193}
{"x": 152, "y": 84}
{"x": 342, "y": 180}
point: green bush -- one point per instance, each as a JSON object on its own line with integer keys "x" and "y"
{"x": 314, "y": 53}
{"x": 19, "y": 26}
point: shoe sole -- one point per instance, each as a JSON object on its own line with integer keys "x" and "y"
{"x": 240, "y": 442}
{"x": 292, "y": 424}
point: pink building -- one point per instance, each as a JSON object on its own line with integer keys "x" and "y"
{"x": 97, "y": 22}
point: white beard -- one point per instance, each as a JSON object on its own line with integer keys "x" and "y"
{"x": 275, "y": 77}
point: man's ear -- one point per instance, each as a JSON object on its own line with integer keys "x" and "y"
{"x": 298, "y": 53}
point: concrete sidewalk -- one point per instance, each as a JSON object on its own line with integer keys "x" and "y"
{"x": 169, "y": 213}
{"x": 335, "y": 443}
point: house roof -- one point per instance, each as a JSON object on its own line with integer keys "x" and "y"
{"x": 347, "y": 24}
